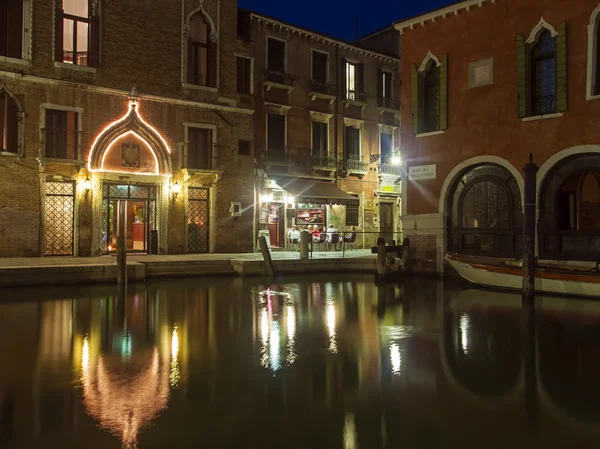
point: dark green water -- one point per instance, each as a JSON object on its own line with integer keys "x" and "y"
{"x": 321, "y": 364}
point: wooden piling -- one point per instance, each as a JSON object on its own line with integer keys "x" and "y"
{"x": 264, "y": 249}
{"x": 529, "y": 212}
{"x": 381, "y": 258}
{"x": 122, "y": 242}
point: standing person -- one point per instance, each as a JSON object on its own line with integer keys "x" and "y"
{"x": 316, "y": 232}
{"x": 330, "y": 231}
{"x": 294, "y": 235}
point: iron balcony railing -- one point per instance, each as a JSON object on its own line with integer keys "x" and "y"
{"x": 388, "y": 103}
{"x": 356, "y": 165}
{"x": 323, "y": 88}
{"x": 324, "y": 162}
{"x": 390, "y": 169}
{"x": 277, "y": 156}
{"x": 355, "y": 95}
{"x": 278, "y": 77}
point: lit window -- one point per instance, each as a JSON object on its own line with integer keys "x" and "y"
{"x": 351, "y": 81}
{"x": 75, "y": 41}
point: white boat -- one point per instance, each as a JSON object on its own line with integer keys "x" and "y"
{"x": 551, "y": 280}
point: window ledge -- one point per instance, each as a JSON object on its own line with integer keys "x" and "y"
{"x": 199, "y": 87}
{"x": 541, "y": 117}
{"x": 46, "y": 160}
{"x": 10, "y": 154}
{"x": 433, "y": 133}
{"x": 592, "y": 97}
{"x": 74, "y": 67}
{"x": 212, "y": 171}
{"x": 10, "y": 60}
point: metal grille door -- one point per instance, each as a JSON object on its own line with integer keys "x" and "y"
{"x": 59, "y": 218}
{"x": 198, "y": 215}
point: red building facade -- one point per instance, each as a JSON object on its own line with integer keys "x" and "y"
{"x": 485, "y": 83}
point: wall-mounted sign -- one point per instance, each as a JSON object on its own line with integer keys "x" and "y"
{"x": 421, "y": 172}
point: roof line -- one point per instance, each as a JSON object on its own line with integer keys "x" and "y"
{"x": 432, "y": 16}
{"x": 317, "y": 36}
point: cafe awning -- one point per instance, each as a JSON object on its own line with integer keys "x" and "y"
{"x": 315, "y": 191}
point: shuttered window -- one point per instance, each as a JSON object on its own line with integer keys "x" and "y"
{"x": 319, "y": 139}
{"x": 243, "y": 75}
{"x": 11, "y": 28}
{"x": 352, "y": 143}
{"x": 200, "y": 148}
{"x": 429, "y": 97}
{"x": 9, "y": 125}
{"x": 61, "y": 134}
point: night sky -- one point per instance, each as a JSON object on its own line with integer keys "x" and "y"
{"x": 337, "y": 18}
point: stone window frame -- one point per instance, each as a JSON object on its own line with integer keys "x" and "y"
{"x": 357, "y": 124}
{"x": 251, "y": 58}
{"x": 213, "y": 36}
{"x": 321, "y": 117}
{"x": 20, "y": 125}
{"x": 417, "y": 94}
{"x": 327, "y": 68}
{"x": 593, "y": 68}
{"x": 26, "y": 43}
{"x": 42, "y": 125}
{"x": 215, "y": 152}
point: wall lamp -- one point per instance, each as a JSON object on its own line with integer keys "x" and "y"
{"x": 87, "y": 185}
{"x": 176, "y": 189}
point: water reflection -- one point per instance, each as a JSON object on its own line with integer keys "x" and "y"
{"x": 302, "y": 363}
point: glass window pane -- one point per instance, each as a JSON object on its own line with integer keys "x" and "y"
{"x": 199, "y": 30}
{"x": 82, "y": 44}
{"x": 76, "y": 7}
{"x": 68, "y": 26}
{"x": 350, "y": 77}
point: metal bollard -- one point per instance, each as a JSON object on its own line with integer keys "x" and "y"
{"x": 304, "y": 235}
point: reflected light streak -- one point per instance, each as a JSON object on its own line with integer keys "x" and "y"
{"x": 175, "y": 374}
{"x": 85, "y": 357}
{"x": 290, "y": 316}
{"x": 350, "y": 440}
{"x": 396, "y": 359}
{"x": 330, "y": 311}
{"x": 465, "y": 324}
{"x": 274, "y": 337}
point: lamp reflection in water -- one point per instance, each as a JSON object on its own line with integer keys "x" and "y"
{"x": 330, "y": 313}
{"x": 123, "y": 405}
{"x": 350, "y": 437}
{"x": 175, "y": 375}
{"x": 395, "y": 358}
{"x": 271, "y": 335}
{"x": 465, "y": 324}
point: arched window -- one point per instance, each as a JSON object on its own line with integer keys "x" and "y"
{"x": 485, "y": 215}
{"x": 9, "y": 123}
{"x": 543, "y": 75}
{"x": 201, "y": 53}
{"x": 431, "y": 99}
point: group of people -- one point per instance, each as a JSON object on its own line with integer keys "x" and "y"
{"x": 317, "y": 233}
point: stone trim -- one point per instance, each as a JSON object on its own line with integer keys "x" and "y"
{"x": 541, "y": 117}
{"x": 430, "y": 57}
{"x": 537, "y": 30}
{"x": 433, "y": 133}
{"x": 592, "y": 31}
{"x": 74, "y": 67}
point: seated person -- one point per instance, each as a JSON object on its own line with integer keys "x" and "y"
{"x": 350, "y": 237}
{"x": 294, "y": 235}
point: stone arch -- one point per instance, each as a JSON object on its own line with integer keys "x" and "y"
{"x": 429, "y": 59}
{"x": 214, "y": 34}
{"x": 131, "y": 123}
{"x": 592, "y": 63}
{"x": 539, "y": 29}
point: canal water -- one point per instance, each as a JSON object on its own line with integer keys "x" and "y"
{"x": 301, "y": 363}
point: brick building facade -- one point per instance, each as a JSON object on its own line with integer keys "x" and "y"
{"x": 76, "y": 138}
{"x": 485, "y": 83}
{"x": 326, "y": 130}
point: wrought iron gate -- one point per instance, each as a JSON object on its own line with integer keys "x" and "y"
{"x": 198, "y": 220}
{"x": 59, "y": 216}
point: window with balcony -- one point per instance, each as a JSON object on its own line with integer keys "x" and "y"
{"x": 385, "y": 78}
{"x": 244, "y": 75}
{"x": 202, "y": 53}
{"x": 77, "y": 34}
{"x": 275, "y": 133}
{"x": 200, "y": 154}
{"x": 319, "y": 139}
{"x": 352, "y": 143}
{"x": 319, "y": 66}
{"x": 542, "y": 71}
{"x": 276, "y": 61}
{"x": 11, "y": 28}
{"x": 9, "y": 123}
{"x": 354, "y": 81}
{"x": 61, "y": 134}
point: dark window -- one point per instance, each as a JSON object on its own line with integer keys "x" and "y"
{"x": 243, "y": 75}
{"x": 386, "y": 85}
{"x": 543, "y": 75}
{"x": 431, "y": 99}
{"x": 61, "y": 134}
{"x": 275, "y": 55}
{"x": 386, "y": 141}
{"x": 200, "y": 148}
{"x": 276, "y": 132}
{"x": 319, "y": 139}
{"x": 352, "y": 215}
{"x": 11, "y": 28}
{"x": 352, "y": 143}
{"x": 597, "y": 80}
{"x": 199, "y": 48}
{"x": 73, "y": 31}
{"x": 319, "y": 66}
{"x": 244, "y": 148}
{"x": 9, "y": 129}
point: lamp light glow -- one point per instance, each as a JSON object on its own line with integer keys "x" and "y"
{"x": 87, "y": 184}
{"x": 176, "y": 188}
{"x": 396, "y": 160}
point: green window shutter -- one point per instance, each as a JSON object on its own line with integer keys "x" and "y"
{"x": 521, "y": 76}
{"x": 414, "y": 98}
{"x": 444, "y": 93}
{"x": 561, "y": 68}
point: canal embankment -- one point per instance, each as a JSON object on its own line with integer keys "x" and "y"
{"x": 82, "y": 270}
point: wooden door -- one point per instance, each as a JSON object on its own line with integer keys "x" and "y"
{"x": 386, "y": 218}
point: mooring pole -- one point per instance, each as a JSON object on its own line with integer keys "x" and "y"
{"x": 122, "y": 242}
{"x": 529, "y": 211}
{"x": 381, "y": 258}
{"x": 264, "y": 248}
